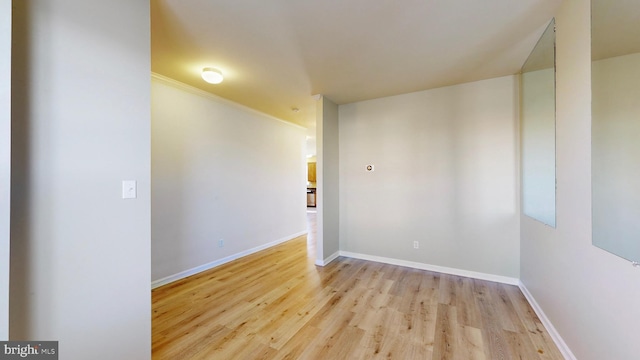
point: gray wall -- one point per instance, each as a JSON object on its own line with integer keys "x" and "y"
{"x": 445, "y": 174}
{"x": 5, "y": 161}
{"x": 327, "y": 173}
{"x": 80, "y": 254}
{"x": 589, "y": 295}
{"x": 219, "y": 171}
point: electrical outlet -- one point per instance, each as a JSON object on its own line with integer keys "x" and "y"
{"x": 416, "y": 244}
{"x": 221, "y": 243}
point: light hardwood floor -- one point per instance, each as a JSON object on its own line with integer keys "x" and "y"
{"x": 277, "y": 304}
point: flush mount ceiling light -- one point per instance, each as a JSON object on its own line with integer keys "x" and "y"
{"x": 212, "y": 75}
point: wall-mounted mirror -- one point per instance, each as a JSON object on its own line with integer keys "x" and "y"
{"x": 538, "y": 130}
{"x": 615, "y": 127}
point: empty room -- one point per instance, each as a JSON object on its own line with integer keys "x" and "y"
{"x": 321, "y": 180}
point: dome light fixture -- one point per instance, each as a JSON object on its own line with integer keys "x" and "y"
{"x": 212, "y": 75}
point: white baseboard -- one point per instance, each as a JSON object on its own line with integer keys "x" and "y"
{"x": 436, "y": 268}
{"x": 327, "y": 260}
{"x": 211, "y": 265}
{"x": 562, "y": 346}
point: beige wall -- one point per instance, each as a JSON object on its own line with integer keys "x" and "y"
{"x": 589, "y": 295}
{"x": 220, "y": 171}
{"x": 445, "y": 174}
{"x": 80, "y": 254}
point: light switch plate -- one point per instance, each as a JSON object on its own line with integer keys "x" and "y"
{"x": 129, "y": 189}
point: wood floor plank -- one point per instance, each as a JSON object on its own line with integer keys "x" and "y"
{"x": 520, "y": 344}
{"x": 276, "y": 304}
{"x": 191, "y": 343}
{"x": 445, "y": 337}
{"x": 330, "y": 335}
{"x": 447, "y": 290}
{"x": 536, "y": 332}
{"x": 493, "y": 334}
{"x": 280, "y": 332}
{"x": 470, "y": 343}
{"x": 468, "y": 312}
{"x": 378, "y": 336}
{"x": 301, "y": 341}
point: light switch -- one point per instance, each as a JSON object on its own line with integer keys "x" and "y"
{"x": 129, "y": 189}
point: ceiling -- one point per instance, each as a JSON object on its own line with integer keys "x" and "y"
{"x": 615, "y": 30}
{"x": 276, "y": 54}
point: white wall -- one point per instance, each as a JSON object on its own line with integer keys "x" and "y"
{"x": 80, "y": 254}
{"x": 327, "y": 174}
{"x": 5, "y": 162}
{"x": 616, "y": 154}
{"x": 589, "y": 295}
{"x": 220, "y": 171}
{"x": 445, "y": 175}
